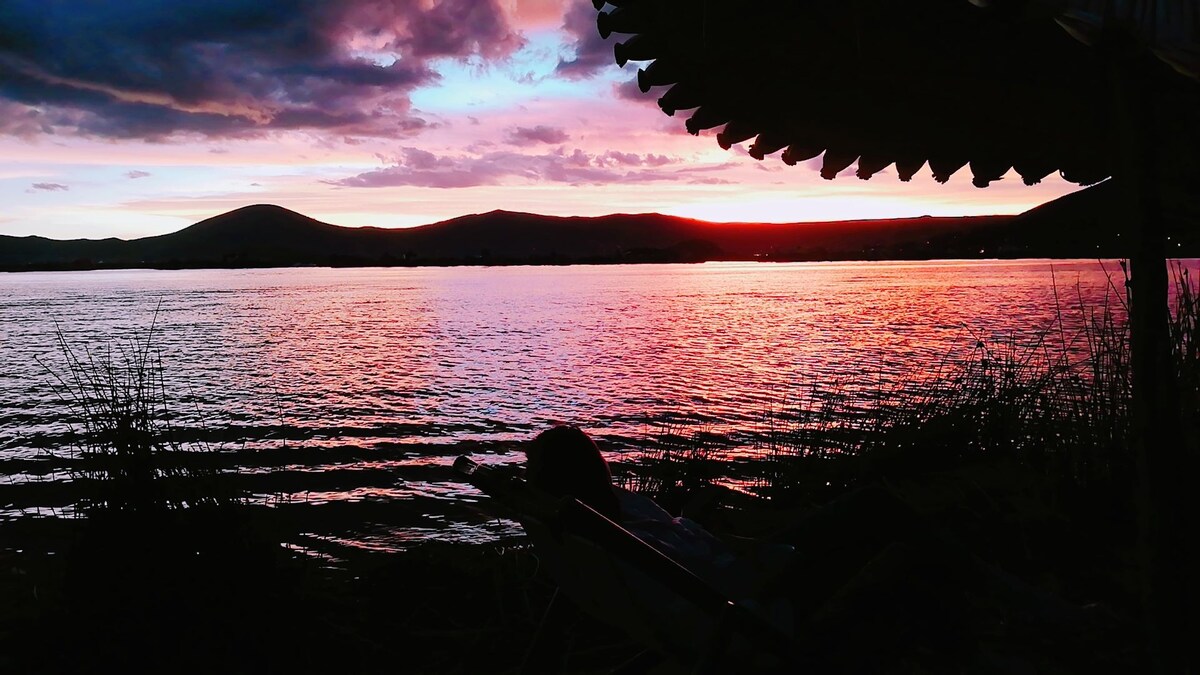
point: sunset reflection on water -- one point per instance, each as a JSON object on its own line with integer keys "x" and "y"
{"x": 397, "y": 370}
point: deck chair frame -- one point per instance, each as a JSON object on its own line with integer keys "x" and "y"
{"x": 553, "y": 523}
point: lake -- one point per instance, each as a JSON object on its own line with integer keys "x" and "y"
{"x": 356, "y": 386}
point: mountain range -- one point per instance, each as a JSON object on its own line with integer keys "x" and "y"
{"x": 1078, "y": 225}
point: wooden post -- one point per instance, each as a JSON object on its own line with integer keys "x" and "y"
{"x": 1161, "y": 456}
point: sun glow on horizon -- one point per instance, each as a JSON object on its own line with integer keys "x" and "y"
{"x": 831, "y": 208}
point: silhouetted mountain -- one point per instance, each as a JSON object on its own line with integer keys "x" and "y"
{"x": 262, "y": 234}
{"x": 1073, "y": 223}
{"x": 35, "y": 252}
{"x": 1081, "y": 224}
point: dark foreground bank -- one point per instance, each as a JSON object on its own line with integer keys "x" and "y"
{"x": 993, "y": 568}
{"x": 211, "y": 592}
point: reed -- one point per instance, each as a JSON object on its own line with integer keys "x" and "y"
{"x": 123, "y": 439}
{"x": 1055, "y": 398}
{"x": 676, "y": 457}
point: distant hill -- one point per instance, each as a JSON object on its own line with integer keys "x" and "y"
{"x": 1078, "y": 225}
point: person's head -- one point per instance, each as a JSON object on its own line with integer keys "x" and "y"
{"x": 565, "y": 461}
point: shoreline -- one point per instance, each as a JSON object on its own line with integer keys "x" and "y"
{"x": 490, "y": 264}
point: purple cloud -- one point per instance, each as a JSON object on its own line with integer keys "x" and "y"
{"x": 22, "y": 121}
{"x": 613, "y": 157}
{"x": 525, "y": 136}
{"x": 132, "y": 175}
{"x": 460, "y": 27}
{"x": 233, "y": 69}
{"x": 420, "y": 168}
{"x": 591, "y": 53}
{"x": 626, "y": 158}
{"x": 629, "y": 91}
{"x": 49, "y": 187}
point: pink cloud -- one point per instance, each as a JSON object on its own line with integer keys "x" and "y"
{"x": 534, "y": 14}
{"x": 632, "y": 159}
{"x": 626, "y": 158}
{"x": 525, "y": 136}
{"x": 422, "y": 168}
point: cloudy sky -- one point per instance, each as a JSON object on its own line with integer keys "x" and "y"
{"x": 135, "y": 117}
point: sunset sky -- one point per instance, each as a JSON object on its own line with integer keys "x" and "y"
{"x": 139, "y": 117}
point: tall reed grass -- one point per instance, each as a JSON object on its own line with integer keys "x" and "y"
{"x": 123, "y": 438}
{"x": 1056, "y": 398}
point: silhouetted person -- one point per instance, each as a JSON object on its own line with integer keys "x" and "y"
{"x": 565, "y": 461}
{"x": 872, "y": 570}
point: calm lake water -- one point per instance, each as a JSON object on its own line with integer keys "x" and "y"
{"x": 361, "y": 385}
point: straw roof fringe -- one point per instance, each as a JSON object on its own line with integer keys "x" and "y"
{"x": 902, "y": 84}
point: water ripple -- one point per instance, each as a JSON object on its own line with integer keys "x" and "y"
{"x": 389, "y": 368}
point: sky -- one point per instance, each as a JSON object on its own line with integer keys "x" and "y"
{"x": 131, "y": 118}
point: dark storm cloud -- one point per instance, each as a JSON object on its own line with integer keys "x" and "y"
{"x": 592, "y": 53}
{"x": 533, "y": 135}
{"x": 155, "y": 68}
{"x": 86, "y": 110}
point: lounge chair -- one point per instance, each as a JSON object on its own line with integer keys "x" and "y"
{"x": 617, "y": 577}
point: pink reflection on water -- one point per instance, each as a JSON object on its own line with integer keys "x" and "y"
{"x": 447, "y": 355}
{"x": 386, "y": 359}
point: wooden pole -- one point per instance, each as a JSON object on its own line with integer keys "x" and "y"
{"x": 1157, "y": 439}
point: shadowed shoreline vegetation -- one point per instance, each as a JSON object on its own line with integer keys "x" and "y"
{"x": 1019, "y": 453}
{"x": 1056, "y": 398}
